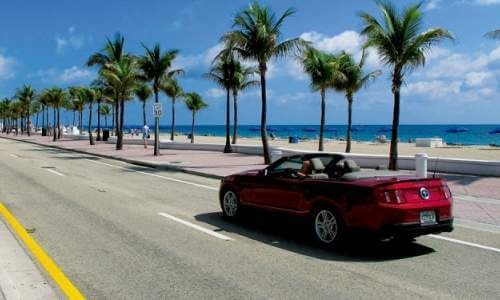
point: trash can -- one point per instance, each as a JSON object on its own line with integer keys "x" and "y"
{"x": 105, "y": 135}
{"x": 293, "y": 140}
{"x": 44, "y": 131}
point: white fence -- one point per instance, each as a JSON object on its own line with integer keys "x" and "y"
{"x": 435, "y": 164}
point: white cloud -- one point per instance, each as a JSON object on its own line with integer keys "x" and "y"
{"x": 487, "y": 2}
{"x": 6, "y": 67}
{"x": 70, "y": 40}
{"x": 73, "y": 74}
{"x": 435, "y": 89}
{"x": 349, "y": 41}
{"x": 215, "y": 93}
{"x": 475, "y": 79}
{"x": 432, "y": 4}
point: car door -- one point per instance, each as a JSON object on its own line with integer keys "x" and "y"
{"x": 277, "y": 189}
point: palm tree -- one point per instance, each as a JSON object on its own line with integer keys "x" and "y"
{"x": 323, "y": 70}
{"x": 57, "y": 98}
{"x": 495, "y": 34}
{"x": 143, "y": 92}
{"x": 222, "y": 72}
{"x": 241, "y": 81}
{"x": 113, "y": 51}
{"x": 36, "y": 108}
{"x": 154, "y": 66}
{"x": 99, "y": 87}
{"x": 44, "y": 101}
{"x": 5, "y": 114}
{"x": 402, "y": 45}
{"x": 194, "y": 103}
{"x": 77, "y": 104}
{"x": 170, "y": 86}
{"x": 105, "y": 111}
{"x": 26, "y": 94}
{"x": 257, "y": 37}
{"x": 89, "y": 96}
{"x": 353, "y": 80}
{"x": 122, "y": 77}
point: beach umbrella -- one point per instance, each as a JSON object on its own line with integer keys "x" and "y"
{"x": 309, "y": 129}
{"x": 384, "y": 129}
{"x": 495, "y": 131}
{"x": 457, "y": 130}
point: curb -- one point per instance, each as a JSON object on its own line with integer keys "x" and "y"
{"x": 166, "y": 167}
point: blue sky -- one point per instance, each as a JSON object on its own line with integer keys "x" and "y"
{"x": 46, "y": 43}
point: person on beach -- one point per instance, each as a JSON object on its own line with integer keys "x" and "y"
{"x": 145, "y": 135}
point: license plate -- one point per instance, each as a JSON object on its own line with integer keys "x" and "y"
{"x": 427, "y": 217}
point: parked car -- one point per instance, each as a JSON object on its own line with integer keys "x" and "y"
{"x": 338, "y": 198}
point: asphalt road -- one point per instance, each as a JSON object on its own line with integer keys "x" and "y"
{"x": 122, "y": 231}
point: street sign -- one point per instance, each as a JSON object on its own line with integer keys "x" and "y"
{"x": 157, "y": 110}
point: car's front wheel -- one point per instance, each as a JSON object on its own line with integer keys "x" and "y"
{"x": 230, "y": 204}
{"x": 326, "y": 227}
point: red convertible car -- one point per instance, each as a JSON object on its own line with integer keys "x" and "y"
{"x": 339, "y": 198}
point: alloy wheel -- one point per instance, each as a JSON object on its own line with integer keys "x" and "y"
{"x": 325, "y": 225}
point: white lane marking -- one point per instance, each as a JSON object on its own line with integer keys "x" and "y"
{"x": 55, "y": 172}
{"x": 444, "y": 238}
{"x": 197, "y": 227}
{"x": 158, "y": 176}
{"x": 13, "y": 155}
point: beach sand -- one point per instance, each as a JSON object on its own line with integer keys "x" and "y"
{"x": 467, "y": 152}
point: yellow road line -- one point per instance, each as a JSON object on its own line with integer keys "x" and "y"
{"x": 45, "y": 261}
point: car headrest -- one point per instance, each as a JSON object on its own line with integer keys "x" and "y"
{"x": 345, "y": 166}
{"x": 317, "y": 164}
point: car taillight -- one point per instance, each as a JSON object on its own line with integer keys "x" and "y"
{"x": 446, "y": 192}
{"x": 393, "y": 197}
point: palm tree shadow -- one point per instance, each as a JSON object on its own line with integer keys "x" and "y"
{"x": 292, "y": 235}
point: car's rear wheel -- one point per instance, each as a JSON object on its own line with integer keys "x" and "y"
{"x": 230, "y": 204}
{"x": 326, "y": 227}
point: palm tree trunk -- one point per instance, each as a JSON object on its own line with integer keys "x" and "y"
{"x": 172, "y": 129}
{"x": 349, "y": 122}
{"x": 322, "y": 120}
{"x": 116, "y": 117}
{"x": 119, "y": 141}
{"x": 113, "y": 118}
{"x": 22, "y": 125}
{"x": 36, "y": 122}
{"x": 91, "y": 138}
{"x": 192, "y": 129}
{"x": 396, "y": 86}
{"x": 144, "y": 114}
{"x": 157, "y": 127}
{"x": 99, "y": 119}
{"x": 106, "y": 121}
{"x": 80, "y": 122}
{"x": 59, "y": 131}
{"x": 43, "y": 116}
{"x": 54, "y": 134}
{"x": 227, "y": 148}
{"x": 235, "y": 116}
{"x": 263, "y": 123}
{"x": 28, "y": 121}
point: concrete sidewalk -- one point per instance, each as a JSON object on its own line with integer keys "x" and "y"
{"x": 20, "y": 278}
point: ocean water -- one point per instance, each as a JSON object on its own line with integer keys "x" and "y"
{"x": 475, "y": 134}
